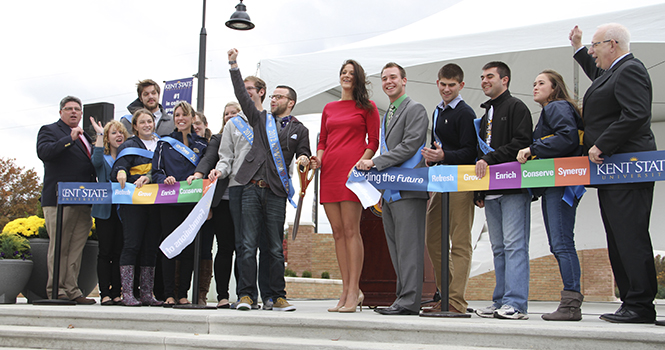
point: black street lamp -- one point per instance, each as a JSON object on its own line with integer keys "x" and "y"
{"x": 239, "y": 21}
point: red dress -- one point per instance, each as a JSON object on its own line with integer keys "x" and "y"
{"x": 346, "y": 131}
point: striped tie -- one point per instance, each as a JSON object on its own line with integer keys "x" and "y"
{"x": 391, "y": 112}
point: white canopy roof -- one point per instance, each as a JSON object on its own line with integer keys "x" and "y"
{"x": 454, "y": 35}
{"x": 531, "y": 38}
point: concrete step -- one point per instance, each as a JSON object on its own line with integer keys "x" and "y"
{"x": 310, "y": 327}
{"x": 86, "y": 338}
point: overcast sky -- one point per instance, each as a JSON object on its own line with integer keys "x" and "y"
{"x": 98, "y": 50}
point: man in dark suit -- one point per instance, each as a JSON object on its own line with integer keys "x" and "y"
{"x": 617, "y": 116}
{"x": 65, "y": 151}
{"x": 278, "y": 137}
{"x": 404, "y": 132}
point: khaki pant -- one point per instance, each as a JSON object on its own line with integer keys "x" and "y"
{"x": 76, "y": 224}
{"x": 460, "y": 211}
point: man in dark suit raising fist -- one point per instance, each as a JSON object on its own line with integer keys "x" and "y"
{"x": 65, "y": 151}
{"x": 617, "y": 116}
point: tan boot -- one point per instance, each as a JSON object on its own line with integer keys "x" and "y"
{"x": 205, "y": 275}
{"x": 569, "y": 307}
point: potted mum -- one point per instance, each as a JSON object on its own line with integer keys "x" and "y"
{"x": 15, "y": 266}
{"x": 33, "y": 228}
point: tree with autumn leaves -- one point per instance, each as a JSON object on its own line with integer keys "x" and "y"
{"x": 20, "y": 190}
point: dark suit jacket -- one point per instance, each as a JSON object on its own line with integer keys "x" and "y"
{"x": 294, "y": 140}
{"x": 617, "y": 106}
{"x": 405, "y": 133}
{"x": 64, "y": 160}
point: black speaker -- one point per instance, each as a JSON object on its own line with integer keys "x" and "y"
{"x": 102, "y": 111}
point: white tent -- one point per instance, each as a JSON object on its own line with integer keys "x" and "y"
{"x": 531, "y": 39}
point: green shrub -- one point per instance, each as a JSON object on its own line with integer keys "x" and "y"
{"x": 14, "y": 246}
{"x": 307, "y": 274}
{"x": 289, "y": 273}
{"x": 325, "y": 274}
{"x": 42, "y": 233}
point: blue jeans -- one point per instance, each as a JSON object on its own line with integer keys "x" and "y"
{"x": 508, "y": 222}
{"x": 560, "y": 223}
{"x": 263, "y": 215}
{"x": 235, "y": 207}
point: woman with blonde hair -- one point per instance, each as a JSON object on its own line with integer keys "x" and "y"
{"x": 109, "y": 227}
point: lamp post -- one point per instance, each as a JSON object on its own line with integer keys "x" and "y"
{"x": 239, "y": 21}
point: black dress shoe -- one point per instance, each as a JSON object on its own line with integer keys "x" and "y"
{"x": 660, "y": 323}
{"x": 397, "y": 310}
{"x": 624, "y": 315}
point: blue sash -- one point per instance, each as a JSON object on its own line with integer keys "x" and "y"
{"x": 278, "y": 157}
{"x": 242, "y": 126}
{"x": 481, "y": 143}
{"x": 182, "y": 149}
{"x": 109, "y": 159}
{"x": 394, "y": 195}
{"x": 572, "y": 192}
{"x": 135, "y": 151}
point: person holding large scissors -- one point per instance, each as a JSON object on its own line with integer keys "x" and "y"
{"x": 277, "y": 138}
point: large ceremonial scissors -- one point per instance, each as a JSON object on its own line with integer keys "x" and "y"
{"x": 305, "y": 176}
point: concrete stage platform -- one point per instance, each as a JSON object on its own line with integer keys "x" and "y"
{"x": 25, "y": 326}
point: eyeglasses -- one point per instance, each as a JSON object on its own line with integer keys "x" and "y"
{"x": 278, "y": 97}
{"x": 593, "y": 45}
{"x": 250, "y": 88}
{"x": 69, "y": 109}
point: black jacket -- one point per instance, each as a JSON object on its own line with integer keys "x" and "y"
{"x": 135, "y": 166}
{"x": 617, "y": 106}
{"x": 511, "y": 131}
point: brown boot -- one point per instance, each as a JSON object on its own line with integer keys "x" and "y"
{"x": 205, "y": 275}
{"x": 569, "y": 307}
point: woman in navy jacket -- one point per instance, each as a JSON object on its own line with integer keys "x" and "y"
{"x": 170, "y": 165}
{"x": 140, "y": 222}
{"x": 109, "y": 227}
{"x": 557, "y": 135}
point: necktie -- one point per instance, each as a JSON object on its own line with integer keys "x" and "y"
{"x": 391, "y": 112}
{"x": 85, "y": 146}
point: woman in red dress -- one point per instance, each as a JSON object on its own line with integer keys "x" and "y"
{"x": 349, "y": 132}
